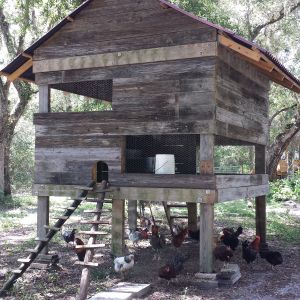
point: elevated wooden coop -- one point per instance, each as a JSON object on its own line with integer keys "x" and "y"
{"x": 177, "y": 84}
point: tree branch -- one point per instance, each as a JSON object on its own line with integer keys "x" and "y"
{"x": 255, "y": 32}
{"x": 281, "y": 111}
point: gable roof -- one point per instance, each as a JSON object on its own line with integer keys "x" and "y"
{"x": 21, "y": 66}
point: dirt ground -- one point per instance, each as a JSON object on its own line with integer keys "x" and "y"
{"x": 258, "y": 280}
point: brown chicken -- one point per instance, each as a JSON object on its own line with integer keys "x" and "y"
{"x": 80, "y": 252}
{"x": 179, "y": 238}
{"x": 250, "y": 250}
{"x": 223, "y": 253}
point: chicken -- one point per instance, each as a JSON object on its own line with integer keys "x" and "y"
{"x": 123, "y": 263}
{"x": 179, "y": 238}
{"x": 250, "y": 250}
{"x": 69, "y": 236}
{"x": 272, "y": 257}
{"x": 195, "y": 235}
{"x": 144, "y": 233}
{"x": 135, "y": 236}
{"x": 145, "y": 222}
{"x": 157, "y": 241}
{"x": 80, "y": 252}
{"x": 173, "y": 267}
{"x": 230, "y": 237}
{"x": 154, "y": 229}
{"x": 223, "y": 253}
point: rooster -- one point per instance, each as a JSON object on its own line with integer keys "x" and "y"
{"x": 80, "y": 252}
{"x": 179, "y": 237}
{"x": 69, "y": 236}
{"x": 157, "y": 241}
{"x": 272, "y": 257}
{"x": 144, "y": 233}
{"x": 230, "y": 237}
{"x": 173, "y": 267}
{"x": 123, "y": 263}
{"x": 250, "y": 250}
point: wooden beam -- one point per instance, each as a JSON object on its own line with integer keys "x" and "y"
{"x": 249, "y": 53}
{"x": 117, "y": 234}
{"x": 43, "y": 219}
{"x": 44, "y": 99}
{"x": 140, "y": 56}
{"x": 27, "y": 55}
{"x": 132, "y": 214}
{"x": 16, "y": 74}
{"x": 70, "y": 19}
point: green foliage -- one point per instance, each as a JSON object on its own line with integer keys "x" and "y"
{"x": 285, "y": 189}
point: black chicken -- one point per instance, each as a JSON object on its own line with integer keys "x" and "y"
{"x": 195, "y": 235}
{"x": 69, "y": 236}
{"x": 249, "y": 253}
{"x": 172, "y": 267}
{"x": 272, "y": 257}
{"x": 230, "y": 237}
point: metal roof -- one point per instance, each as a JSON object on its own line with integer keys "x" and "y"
{"x": 29, "y": 75}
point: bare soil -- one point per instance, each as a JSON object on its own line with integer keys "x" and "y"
{"x": 259, "y": 280}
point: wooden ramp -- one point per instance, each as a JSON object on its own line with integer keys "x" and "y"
{"x": 42, "y": 243}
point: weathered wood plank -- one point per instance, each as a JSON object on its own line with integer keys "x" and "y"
{"x": 44, "y": 99}
{"x": 127, "y": 57}
{"x": 118, "y": 218}
{"x": 163, "y": 181}
{"x": 229, "y": 181}
{"x": 190, "y": 68}
{"x": 242, "y": 192}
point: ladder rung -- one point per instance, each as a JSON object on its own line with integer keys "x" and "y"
{"x": 98, "y": 255}
{"x": 17, "y": 271}
{"x": 52, "y": 228}
{"x": 179, "y": 217}
{"x": 84, "y": 188}
{"x": 32, "y": 250}
{"x": 102, "y": 191}
{"x": 97, "y": 200}
{"x": 78, "y": 199}
{"x": 95, "y": 211}
{"x": 93, "y": 232}
{"x": 71, "y": 208}
{"x": 177, "y": 205}
{"x": 61, "y": 218}
{"x": 88, "y": 264}
{"x": 96, "y": 222}
{"x": 42, "y": 239}
{"x": 24, "y": 260}
{"x": 92, "y": 246}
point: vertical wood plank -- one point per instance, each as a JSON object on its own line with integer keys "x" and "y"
{"x": 132, "y": 214}
{"x": 43, "y": 218}
{"x": 44, "y": 99}
{"x": 260, "y": 202}
{"x": 1, "y": 167}
{"x": 43, "y": 202}
{"x": 206, "y": 210}
{"x": 192, "y": 216}
{"x": 117, "y": 234}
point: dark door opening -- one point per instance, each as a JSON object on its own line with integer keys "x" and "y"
{"x": 100, "y": 171}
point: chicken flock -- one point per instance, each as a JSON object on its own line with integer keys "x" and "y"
{"x": 224, "y": 248}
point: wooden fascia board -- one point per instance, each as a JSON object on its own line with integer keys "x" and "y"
{"x": 16, "y": 74}
{"x": 257, "y": 58}
{"x": 140, "y": 56}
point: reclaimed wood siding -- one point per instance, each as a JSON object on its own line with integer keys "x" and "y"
{"x": 113, "y": 25}
{"x": 241, "y": 99}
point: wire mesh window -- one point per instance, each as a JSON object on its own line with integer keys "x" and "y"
{"x": 141, "y": 152}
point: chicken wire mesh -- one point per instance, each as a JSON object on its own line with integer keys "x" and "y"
{"x": 97, "y": 89}
{"x": 141, "y": 152}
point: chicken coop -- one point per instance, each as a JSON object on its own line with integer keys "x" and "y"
{"x": 178, "y": 87}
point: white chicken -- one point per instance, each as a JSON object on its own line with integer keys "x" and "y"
{"x": 124, "y": 263}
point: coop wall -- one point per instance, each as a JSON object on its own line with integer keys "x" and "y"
{"x": 241, "y": 99}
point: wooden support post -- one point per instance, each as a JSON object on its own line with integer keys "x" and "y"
{"x": 1, "y": 168}
{"x": 192, "y": 216}
{"x": 132, "y": 214}
{"x": 117, "y": 234}
{"x": 43, "y": 202}
{"x": 206, "y": 210}
{"x": 260, "y": 202}
{"x": 43, "y": 219}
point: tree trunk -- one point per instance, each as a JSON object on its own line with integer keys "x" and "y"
{"x": 5, "y": 183}
{"x": 276, "y": 149}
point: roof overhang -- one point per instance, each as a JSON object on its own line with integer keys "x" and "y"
{"x": 21, "y": 66}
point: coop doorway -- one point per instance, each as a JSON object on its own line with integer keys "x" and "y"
{"x": 100, "y": 172}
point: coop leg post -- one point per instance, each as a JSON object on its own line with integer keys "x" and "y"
{"x": 43, "y": 219}
{"x": 206, "y": 155}
{"x": 192, "y": 216}
{"x": 132, "y": 214}
{"x": 260, "y": 202}
{"x": 206, "y": 237}
{"x": 117, "y": 227}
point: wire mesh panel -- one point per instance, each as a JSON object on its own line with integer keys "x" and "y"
{"x": 141, "y": 151}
